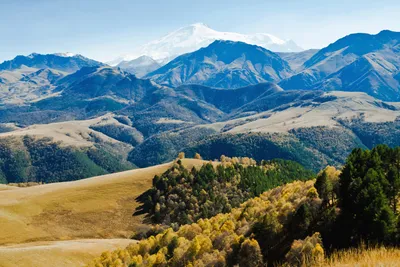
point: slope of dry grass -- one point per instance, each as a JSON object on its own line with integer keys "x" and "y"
{"x": 57, "y": 253}
{"x": 6, "y": 187}
{"x": 364, "y": 257}
{"x": 98, "y": 207}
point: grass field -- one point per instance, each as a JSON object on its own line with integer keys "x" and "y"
{"x": 57, "y": 253}
{"x": 94, "y": 208}
{"x": 6, "y": 187}
{"x": 365, "y": 258}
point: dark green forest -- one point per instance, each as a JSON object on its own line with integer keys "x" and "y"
{"x": 42, "y": 160}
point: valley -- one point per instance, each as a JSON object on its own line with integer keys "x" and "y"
{"x": 203, "y": 148}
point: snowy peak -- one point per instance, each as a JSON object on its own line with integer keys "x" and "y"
{"x": 193, "y": 37}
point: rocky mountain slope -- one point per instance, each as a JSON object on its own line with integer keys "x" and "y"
{"x": 31, "y": 78}
{"x": 224, "y": 64}
{"x": 357, "y": 62}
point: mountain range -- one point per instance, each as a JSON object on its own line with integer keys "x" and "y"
{"x": 229, "y": 97}
{"x": 152, "y": 122}
{"x": 357, "y": 62}
{"x": 33, "y": 77}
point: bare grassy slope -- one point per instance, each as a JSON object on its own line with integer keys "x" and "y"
{"x": 57, "y": 253}
{"x": 6, "y": 187}
{"x": 98, "y": 207}
{"x": 69, "y": 133}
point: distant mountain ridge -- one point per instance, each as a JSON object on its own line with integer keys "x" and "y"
{"x": 69, "y": 63}
{"x": 140, "y": 66}
{"x": 224, "y": 64}
{"x": 357, "y": 62}
{"x": 33, "y": 77}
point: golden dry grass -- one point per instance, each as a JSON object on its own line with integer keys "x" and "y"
{"x": 6, "y": 187}
{"x": 98, "y": 207}
{"x": 57, "y": 253}
{"x": 365, "y": 257}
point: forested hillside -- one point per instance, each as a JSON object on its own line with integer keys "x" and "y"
{"x": 27, "y": 159}
{"x": 182, "y": 196}
{"x": 298, "y": 224}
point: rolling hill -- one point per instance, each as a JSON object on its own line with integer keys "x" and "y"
{"x": 292, "y": 125}
{"x": 70, "y": 222}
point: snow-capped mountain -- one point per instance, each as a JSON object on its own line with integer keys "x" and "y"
{"x": 191, "y": 38}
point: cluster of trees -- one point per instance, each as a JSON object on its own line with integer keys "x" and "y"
{"x": 335, "y": 142}
{"x": 181, "y": 196}
{"x": 165, "y": 146}
{"x": 360, "y": 204}
{"x": 262, "y": 230}
{"x": 28, "y": 159}
{"x": 369, "y": 192}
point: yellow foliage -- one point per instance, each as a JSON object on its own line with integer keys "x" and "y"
{"x": 228, "y": 226}
{"x": 137, "y": 259}
{"x": 307, "y": 252}
{"x": 209, "y": 241}
{"x": 312, "y": 193}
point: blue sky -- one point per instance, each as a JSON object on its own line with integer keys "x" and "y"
{"x": 104, "y": 29}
